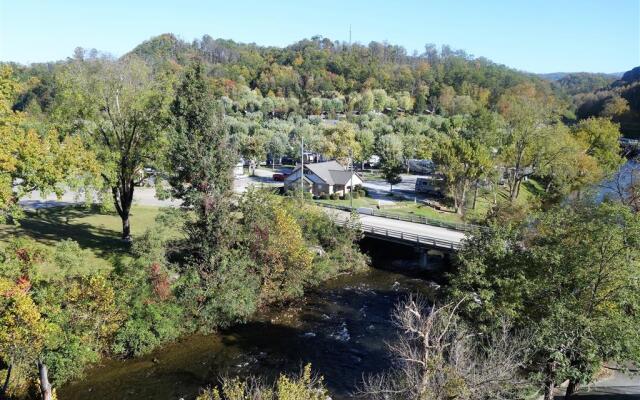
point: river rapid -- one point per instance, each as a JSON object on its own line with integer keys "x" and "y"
{"x": 341, "y": 327}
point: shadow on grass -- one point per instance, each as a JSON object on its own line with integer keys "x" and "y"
{"x": 51, "y": 225}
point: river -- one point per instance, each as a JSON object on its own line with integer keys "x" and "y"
{"x": 340, "y": 327}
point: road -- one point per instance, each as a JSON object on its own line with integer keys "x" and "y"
{"x": 403, "y": 226}
{"x": 145, "y": 196}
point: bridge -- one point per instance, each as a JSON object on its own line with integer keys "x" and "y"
{"x": 413, "y": 231}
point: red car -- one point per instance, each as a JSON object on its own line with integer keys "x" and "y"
{"x": 278, "y": 177}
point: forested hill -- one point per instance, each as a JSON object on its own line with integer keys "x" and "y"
{"x": 325, "y": 68}
{"x": 619, "y": 100}
{"x": 320, "y": 76}
{"x": 580, "y": 82}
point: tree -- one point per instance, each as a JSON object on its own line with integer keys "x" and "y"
{"x": 390, "y": 151}
{"x": 439, "y": 357}
{"x": 24, "y": 331}
{"x": 528, "y": 114}
{"x": 32, "y": 161}
{"x": 462, "y": 162}
{"x": 340, "y": 141}
{"x": 366, "y": 139}
{"x": 615, "y": 107}
{"x": 601, "y": 139}
{"x": 572, "y": 275}
{"x": 122, "y": 109}
{"x": 420, "y": 105}
{"x": 278, "y": 146}
{"x": 217, "y": 285}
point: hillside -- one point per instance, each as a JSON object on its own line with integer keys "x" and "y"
{"x": 619, "y": 100}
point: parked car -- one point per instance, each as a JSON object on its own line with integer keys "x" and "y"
{"x": 278, "y": 177}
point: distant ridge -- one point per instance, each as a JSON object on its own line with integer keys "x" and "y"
{"x": 556, "y": 76}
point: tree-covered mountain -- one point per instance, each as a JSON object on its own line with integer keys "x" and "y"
{"x": 582, "y": 82}
{"x": 556, "y": 76}
{"x": 619, "y": 100}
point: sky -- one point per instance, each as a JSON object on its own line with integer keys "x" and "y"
{"x": 537, "y": 36}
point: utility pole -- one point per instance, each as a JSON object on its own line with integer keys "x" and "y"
{"x": 302, "y": 167}
{"x": 351, "y": 182}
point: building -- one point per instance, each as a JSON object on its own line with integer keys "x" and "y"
{"x": 324, "y": 178}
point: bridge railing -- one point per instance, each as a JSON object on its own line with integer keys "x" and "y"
{"x": 408, "y": 218}
{"x": 421, "y": 240}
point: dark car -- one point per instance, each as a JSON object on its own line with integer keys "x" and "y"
{"x": 278, "y": 177}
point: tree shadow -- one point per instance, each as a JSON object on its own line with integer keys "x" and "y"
{"x": 50, "y": 225}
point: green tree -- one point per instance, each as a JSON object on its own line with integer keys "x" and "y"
{"x": 366, "y": 139}
{"x": 572, "y": 276}
{"x": 217, "y": 284}
{"x": 32, "y": 161}
{"x": 601, "y": 138}
{"x": 122, "y": 107}
{"x": 462, "y": 162}
{"x": 528, "y": 115}
{"x": 390, "y": 150}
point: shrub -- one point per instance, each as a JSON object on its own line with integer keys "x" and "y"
{"x": 334, "y": 196}
{"x": 362, "y": 193}
{"x": 304, "y": 386}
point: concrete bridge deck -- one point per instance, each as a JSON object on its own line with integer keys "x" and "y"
{"x": 404, "y": 232}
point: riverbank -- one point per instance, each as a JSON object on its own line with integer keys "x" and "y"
{"x": 341, "y": 328}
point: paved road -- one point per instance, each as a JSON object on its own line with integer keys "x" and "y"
{"x": 145, "y": 196}
{"x": 403, "y": 226}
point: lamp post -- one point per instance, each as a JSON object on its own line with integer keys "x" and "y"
{"x": 351, "y": 182}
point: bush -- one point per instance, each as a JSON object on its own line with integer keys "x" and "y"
{"x": 303, "y": 386}
{"x": 362, "y": 193}
{"x": 324, "y": 196}
{"x": 356, "y": 195}
{"x": 334, "y": 196}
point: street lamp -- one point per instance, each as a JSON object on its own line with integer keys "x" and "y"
{"x": 351, "y": 186}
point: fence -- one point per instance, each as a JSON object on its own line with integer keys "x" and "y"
{"x": 404, "y": 236}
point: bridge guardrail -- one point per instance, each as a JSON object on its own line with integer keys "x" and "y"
{"x": 407, "y": 218}
{"x": 409, "y": 237}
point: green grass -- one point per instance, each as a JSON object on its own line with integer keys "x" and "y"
{"x": 401, "y": 207}
{"x": 423, "y": 210}
{"x": 529, "y": 192}
{"x": 98, "y": 233}
{"x": 359, "y": 202}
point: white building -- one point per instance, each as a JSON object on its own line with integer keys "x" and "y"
{"x": 324, "y": 178}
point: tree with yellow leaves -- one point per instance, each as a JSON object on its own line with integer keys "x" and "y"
{"x": 32, "y": 161}
{"x": 23, "y": 332}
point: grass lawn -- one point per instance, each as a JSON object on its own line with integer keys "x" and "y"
{"x": 423, "y": 210}
{"x": 402, "y": 207}
{"x": 529, "y": 191}
{"x": 98, "y": 233}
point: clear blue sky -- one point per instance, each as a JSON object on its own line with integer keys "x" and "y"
{"x": 537, "y": 36}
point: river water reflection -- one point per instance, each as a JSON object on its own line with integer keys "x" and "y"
{"x": 341, "y": 327}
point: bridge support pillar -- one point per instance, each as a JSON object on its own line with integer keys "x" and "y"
{"x": 423, "y": 258}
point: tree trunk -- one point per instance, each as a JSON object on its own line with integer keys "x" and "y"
{"x": 549, "y": 383}
{"x": 45, "y": 386}
{"x": 548, "y": 390}
{"x": 571, "y": 388}
{"x": 475, "y": 196}
{"x": 123, "y": 198}
{"x": 5, "y": 386}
